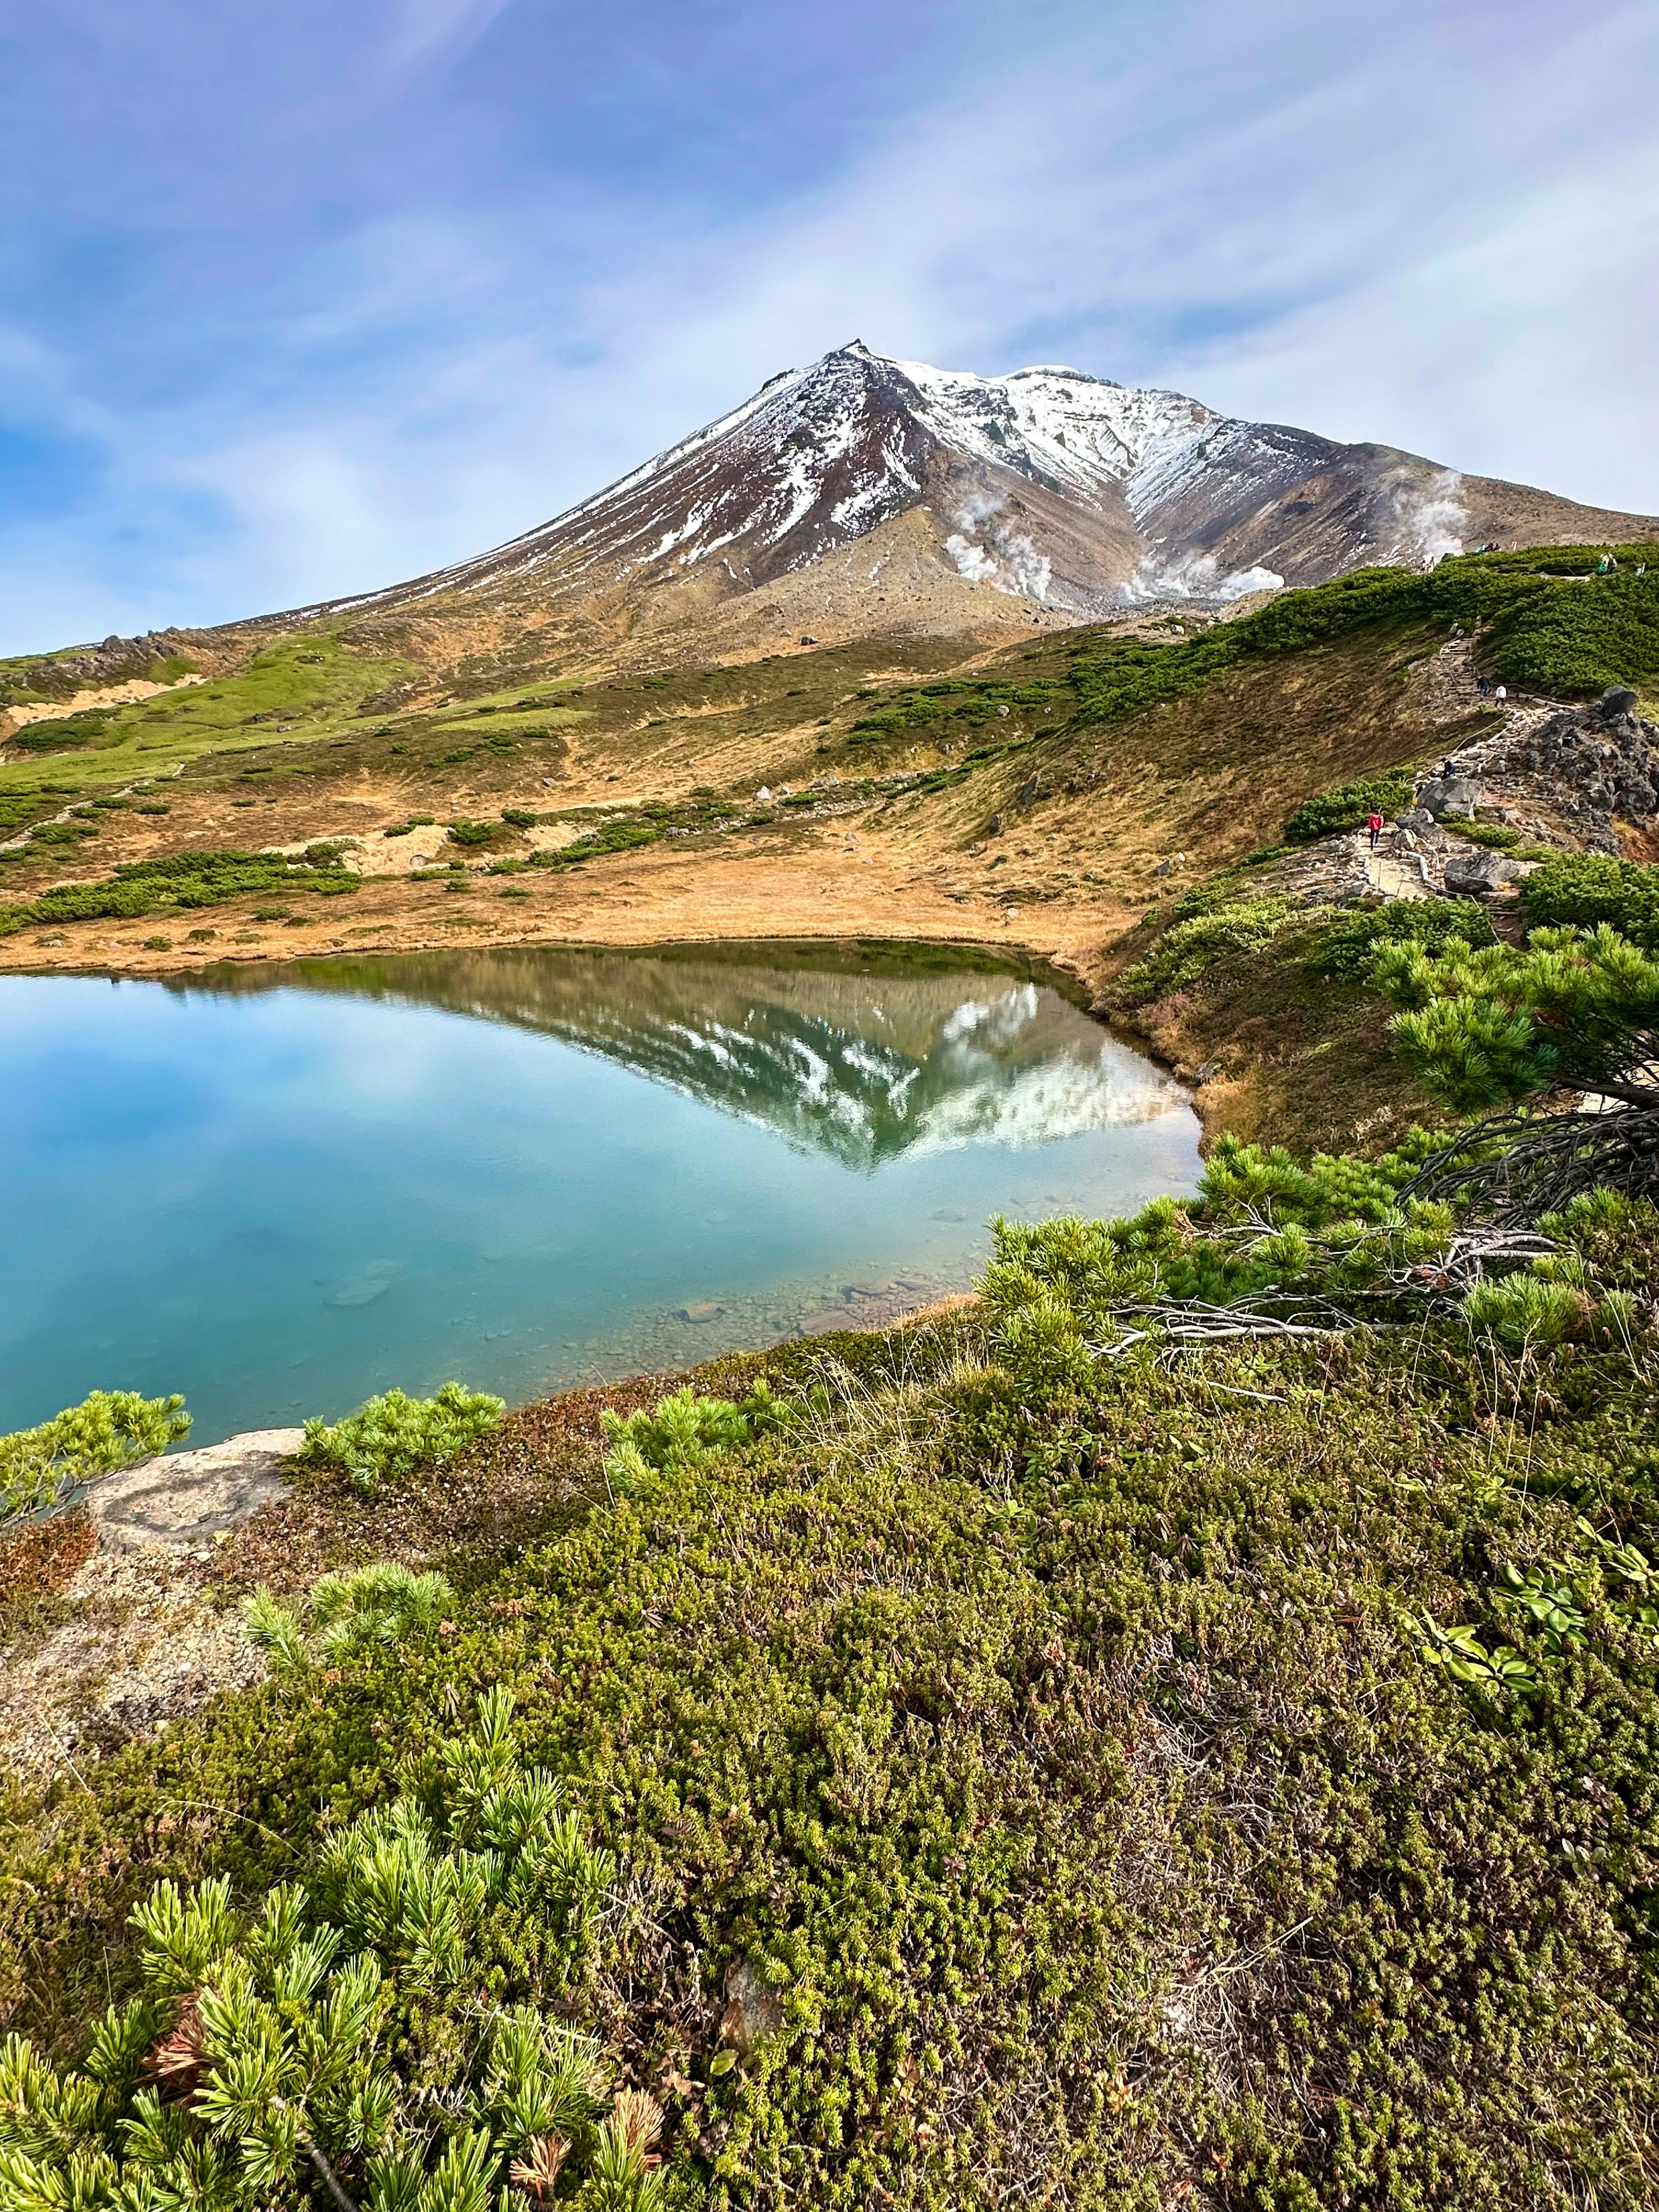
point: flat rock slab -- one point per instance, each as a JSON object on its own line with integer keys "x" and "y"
{"x": 186, "y": 1498}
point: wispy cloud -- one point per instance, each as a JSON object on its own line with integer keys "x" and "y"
{"x": 420, "y": 314}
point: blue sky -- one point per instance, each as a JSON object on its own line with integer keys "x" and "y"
{"x": 298, "y": 299}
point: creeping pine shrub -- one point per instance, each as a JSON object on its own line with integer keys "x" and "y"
{"x": 1584, "y": 889}
{"x": 1187, "y": 948}
{"x": 682, "y": 1431}
{"x": 342, "y": 1615}
{"x": 374, "y": 2025}
{"x": 110, "y": 1428}
{"x": 1053, "y": 1287}
{"x": 390, "y": 1437}
{"x": 183, "y": 880}
{"x": 1548, "y": 1303}
{"x": 1348, "y": 947}
{"x": 1346, "y": 806}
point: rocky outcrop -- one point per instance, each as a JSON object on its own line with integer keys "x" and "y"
{"x": 94, "y": 667}
{"x": 1592, "y": 767}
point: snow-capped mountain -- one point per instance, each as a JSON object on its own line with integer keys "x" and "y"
{"x": 1069, "y": 493}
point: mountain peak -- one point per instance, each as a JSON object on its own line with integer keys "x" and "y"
{"x": 1047, "y": 484}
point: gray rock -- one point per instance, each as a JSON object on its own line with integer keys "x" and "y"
{"x": 703, "y": 1309}
{"x": 1478, "y": 874}
{"x": 188, "y": 1497}
{"x": 753, "y": 2009}
{"x": 1417, "y": 819}
{"x": 1455, "y": 794}
{"x": 1614, "y": 702}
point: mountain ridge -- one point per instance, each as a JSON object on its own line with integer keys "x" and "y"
{"x": 1076, "y": 497}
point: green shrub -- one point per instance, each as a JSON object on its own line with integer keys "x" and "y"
{"x": 185, "y": 880}
{"x": 1573, "y": 641}
{"x": 463, "y": 832}
{"x": 1584, "y": 889}
{"x": 1188, "y": 948}
{"x": 1490, "y": 1027}
{"x": 356, "y": 2022}
{"x": 1349, "y": 946}
{"x": 388, "y": 1437}
{"x": 1525, "y": 1309}
{"x": 683, "y": 1431}
{"x": 1492, "y": 835}
{"x": 1556, "y": 626}
{"x": 109, "y": 1430}
{"x": 1347, "y": 806}
{"x": 342, "y": 1614}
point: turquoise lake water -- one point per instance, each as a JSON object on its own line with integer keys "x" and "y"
{"x": 280, "y": 1189}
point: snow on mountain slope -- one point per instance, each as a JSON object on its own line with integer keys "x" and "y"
{"x": 1076, "y": 495}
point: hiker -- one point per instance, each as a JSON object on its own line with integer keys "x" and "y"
{"x": 1374, "y": 825}
{"x": 1483, "y": 684}
{"x": 1501, "y": 694}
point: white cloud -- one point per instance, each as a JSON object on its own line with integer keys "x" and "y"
{"x": 1403, "y": 228}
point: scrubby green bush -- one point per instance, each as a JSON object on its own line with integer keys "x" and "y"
{"x": 1490, "y": 1027}
{"x": 1526, "y": 1309}
{"x": 388, "y": 1437}
{"x": 683, "y": 1431}
{"x": 465, "y": 832}
{"x": 1556, "y": 628}
{"x": 1584, "y": 889}
{"x": 184, "y": 881}
{"x": 108, "y": 1429}
{"x": 1492, "y": 835}
{"x": 342, "y": 1613}
{"x": 369, "y": 2025}
{"x": 1348, "y": 947}
{"x": 1346, "y": 806}
{"x": 1187, "y": 948}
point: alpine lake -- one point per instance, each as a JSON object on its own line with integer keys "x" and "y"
{"x": 280, "y": 1188}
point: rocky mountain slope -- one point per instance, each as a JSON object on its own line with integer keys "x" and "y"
{"x": 865, "y": 493}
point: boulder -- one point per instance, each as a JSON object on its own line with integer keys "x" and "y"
{"x": 1452, "y": 794}
{"x": 1614, "y": 702}
{"x": 188, "y": 1498}
{"x": 1478, "y": 872}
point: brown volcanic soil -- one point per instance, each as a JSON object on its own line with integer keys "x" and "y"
{"x": 1083, "y": 819}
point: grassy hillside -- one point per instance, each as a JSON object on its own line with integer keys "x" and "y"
{"x": 1076, "y": 762}
{"x": 1101, "y": 1774}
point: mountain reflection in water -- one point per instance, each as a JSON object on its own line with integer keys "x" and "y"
{"x": 851, "y": 1052}
{"x": 279, "y": 1188}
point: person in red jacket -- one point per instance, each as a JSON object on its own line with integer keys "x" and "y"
{"x": 1374, "y": 825}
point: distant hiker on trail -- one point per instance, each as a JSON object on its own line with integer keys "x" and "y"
{"x": 1501, "y": 694}
{"x": 1374, "y": 825}
{"x": 1483, "y": 684}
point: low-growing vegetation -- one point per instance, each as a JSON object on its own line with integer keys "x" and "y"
{"x": 389, "y": 1437}
{"x": 186, "y": 881}
{"x": 110, "y": 1429}
{"x": 1550, "y": 624}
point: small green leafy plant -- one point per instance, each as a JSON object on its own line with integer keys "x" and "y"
{"x": 343, "y": 1614}
{"x": 388, "y": 1437}
{"x": 349, "y": 2042}
{"x": 110, "y": 1429}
